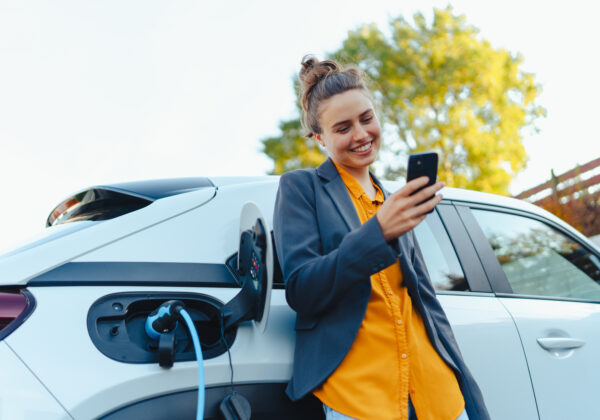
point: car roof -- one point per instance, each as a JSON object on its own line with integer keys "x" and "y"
{"x": 454, "y": 194}
{"x": 160, "y": 188}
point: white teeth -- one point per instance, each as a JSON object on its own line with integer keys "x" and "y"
{"x": 363, "y": 148}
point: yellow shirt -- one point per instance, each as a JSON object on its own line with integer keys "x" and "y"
{"x": 391, "y": 355}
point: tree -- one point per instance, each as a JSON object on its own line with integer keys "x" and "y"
{"x": 438, "y": 86}
{"x": 292, "y": 150}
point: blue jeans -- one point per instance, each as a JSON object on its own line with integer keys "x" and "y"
{"x": 331, "y": 414}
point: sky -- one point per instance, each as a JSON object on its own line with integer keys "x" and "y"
{"x": 96, "y": 92}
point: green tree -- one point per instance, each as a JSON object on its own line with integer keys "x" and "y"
{"x": 437, "y": 86}
{"x": 292, "y": 150}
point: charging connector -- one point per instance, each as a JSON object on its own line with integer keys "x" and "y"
{"x": 163, "y": 320}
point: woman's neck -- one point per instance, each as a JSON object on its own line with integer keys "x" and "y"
{"x": 364, "y": 179}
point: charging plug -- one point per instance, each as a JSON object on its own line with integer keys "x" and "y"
{"x": 163, "y": 319}
{"x": 160, "y": 325}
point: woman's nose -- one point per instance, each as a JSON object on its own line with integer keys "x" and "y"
{"x": 359, "y": 132}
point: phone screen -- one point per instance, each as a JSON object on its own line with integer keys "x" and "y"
{"x": 423, "y": 164}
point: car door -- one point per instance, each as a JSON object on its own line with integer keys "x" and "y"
{"x": 484, "y": 329}
{"x": 548, "y": 279}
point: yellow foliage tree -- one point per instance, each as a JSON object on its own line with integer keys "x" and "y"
{"x": 439, "y": 87}
{"x": 292, "y": 150}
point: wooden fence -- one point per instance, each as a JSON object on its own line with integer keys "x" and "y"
{"x": 566, "y": 186}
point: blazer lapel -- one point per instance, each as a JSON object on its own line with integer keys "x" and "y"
{"x": 338, "y": 192}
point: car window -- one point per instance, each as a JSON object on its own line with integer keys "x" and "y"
{"x": 440, "y": 258}
{"x": 540, "y": 260}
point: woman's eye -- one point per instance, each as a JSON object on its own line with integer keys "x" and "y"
{"x": 366, "y": 120}
{"x": 342, "y": 130}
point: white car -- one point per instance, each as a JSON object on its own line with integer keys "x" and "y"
{"x": 519, "y": 286}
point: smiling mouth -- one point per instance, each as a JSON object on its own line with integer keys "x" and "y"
{"x": 363, "y": 148}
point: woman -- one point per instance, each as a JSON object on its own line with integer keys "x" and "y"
{"x": 372, "y": 341}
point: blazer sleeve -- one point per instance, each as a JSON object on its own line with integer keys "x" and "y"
{"x": 315, "y": 280}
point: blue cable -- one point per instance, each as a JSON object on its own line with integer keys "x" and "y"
{"x": 190, "y": 324}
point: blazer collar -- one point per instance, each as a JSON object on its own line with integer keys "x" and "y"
{"x": 338, "y": 192}
{"x": 340, "y": 196}
{"x": 327, "y": 170}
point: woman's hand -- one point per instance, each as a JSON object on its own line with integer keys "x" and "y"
{"x": 401, "y": 211}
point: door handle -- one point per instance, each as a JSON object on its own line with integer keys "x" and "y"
{"x": 560, "y": 343}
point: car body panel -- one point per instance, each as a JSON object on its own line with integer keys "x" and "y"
{"x": 17, "y": 269}
{"x": 22, "y": 396}
{"x": 490, "y": 345}
{"x": 562, "y": 378}
{"x": 93, "y": 384}
{"x": 185, "y": 238}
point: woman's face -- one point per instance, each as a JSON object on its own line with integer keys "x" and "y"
{"x": 351, "y": 131}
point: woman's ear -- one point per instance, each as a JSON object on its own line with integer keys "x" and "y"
{"x": 319, "y": 139}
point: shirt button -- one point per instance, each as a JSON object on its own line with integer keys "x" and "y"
{"x": 390, "y": 292}
{"x": 404, "y": 356}
{"x": 399, "y": 322}
{"x": 370, "y": 211}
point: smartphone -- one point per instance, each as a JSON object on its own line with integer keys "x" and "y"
{"x": 423, "y": 164}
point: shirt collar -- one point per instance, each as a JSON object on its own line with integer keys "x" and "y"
{"x": 355, "y": 188}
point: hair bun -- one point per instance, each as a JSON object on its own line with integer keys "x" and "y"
{"x": 314, "y": 71}
{"x": 319, "y": 80}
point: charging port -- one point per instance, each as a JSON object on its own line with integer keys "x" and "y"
{"x": 116, "y": 326}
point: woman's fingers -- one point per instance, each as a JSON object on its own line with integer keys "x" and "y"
{"x": 426, "y": 193}
{"x": 401, "y": 212}
{"x": 412, "y": 186}
{"x": 429, "y": 205}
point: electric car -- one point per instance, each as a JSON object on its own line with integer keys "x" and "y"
{"x": 520, "y": 288}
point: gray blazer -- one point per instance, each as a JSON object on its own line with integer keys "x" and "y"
{"x": 327, "y": 258}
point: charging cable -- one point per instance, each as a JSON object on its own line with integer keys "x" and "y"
{"x": 164, "y": 320}
{"x": 192, "y": 329}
